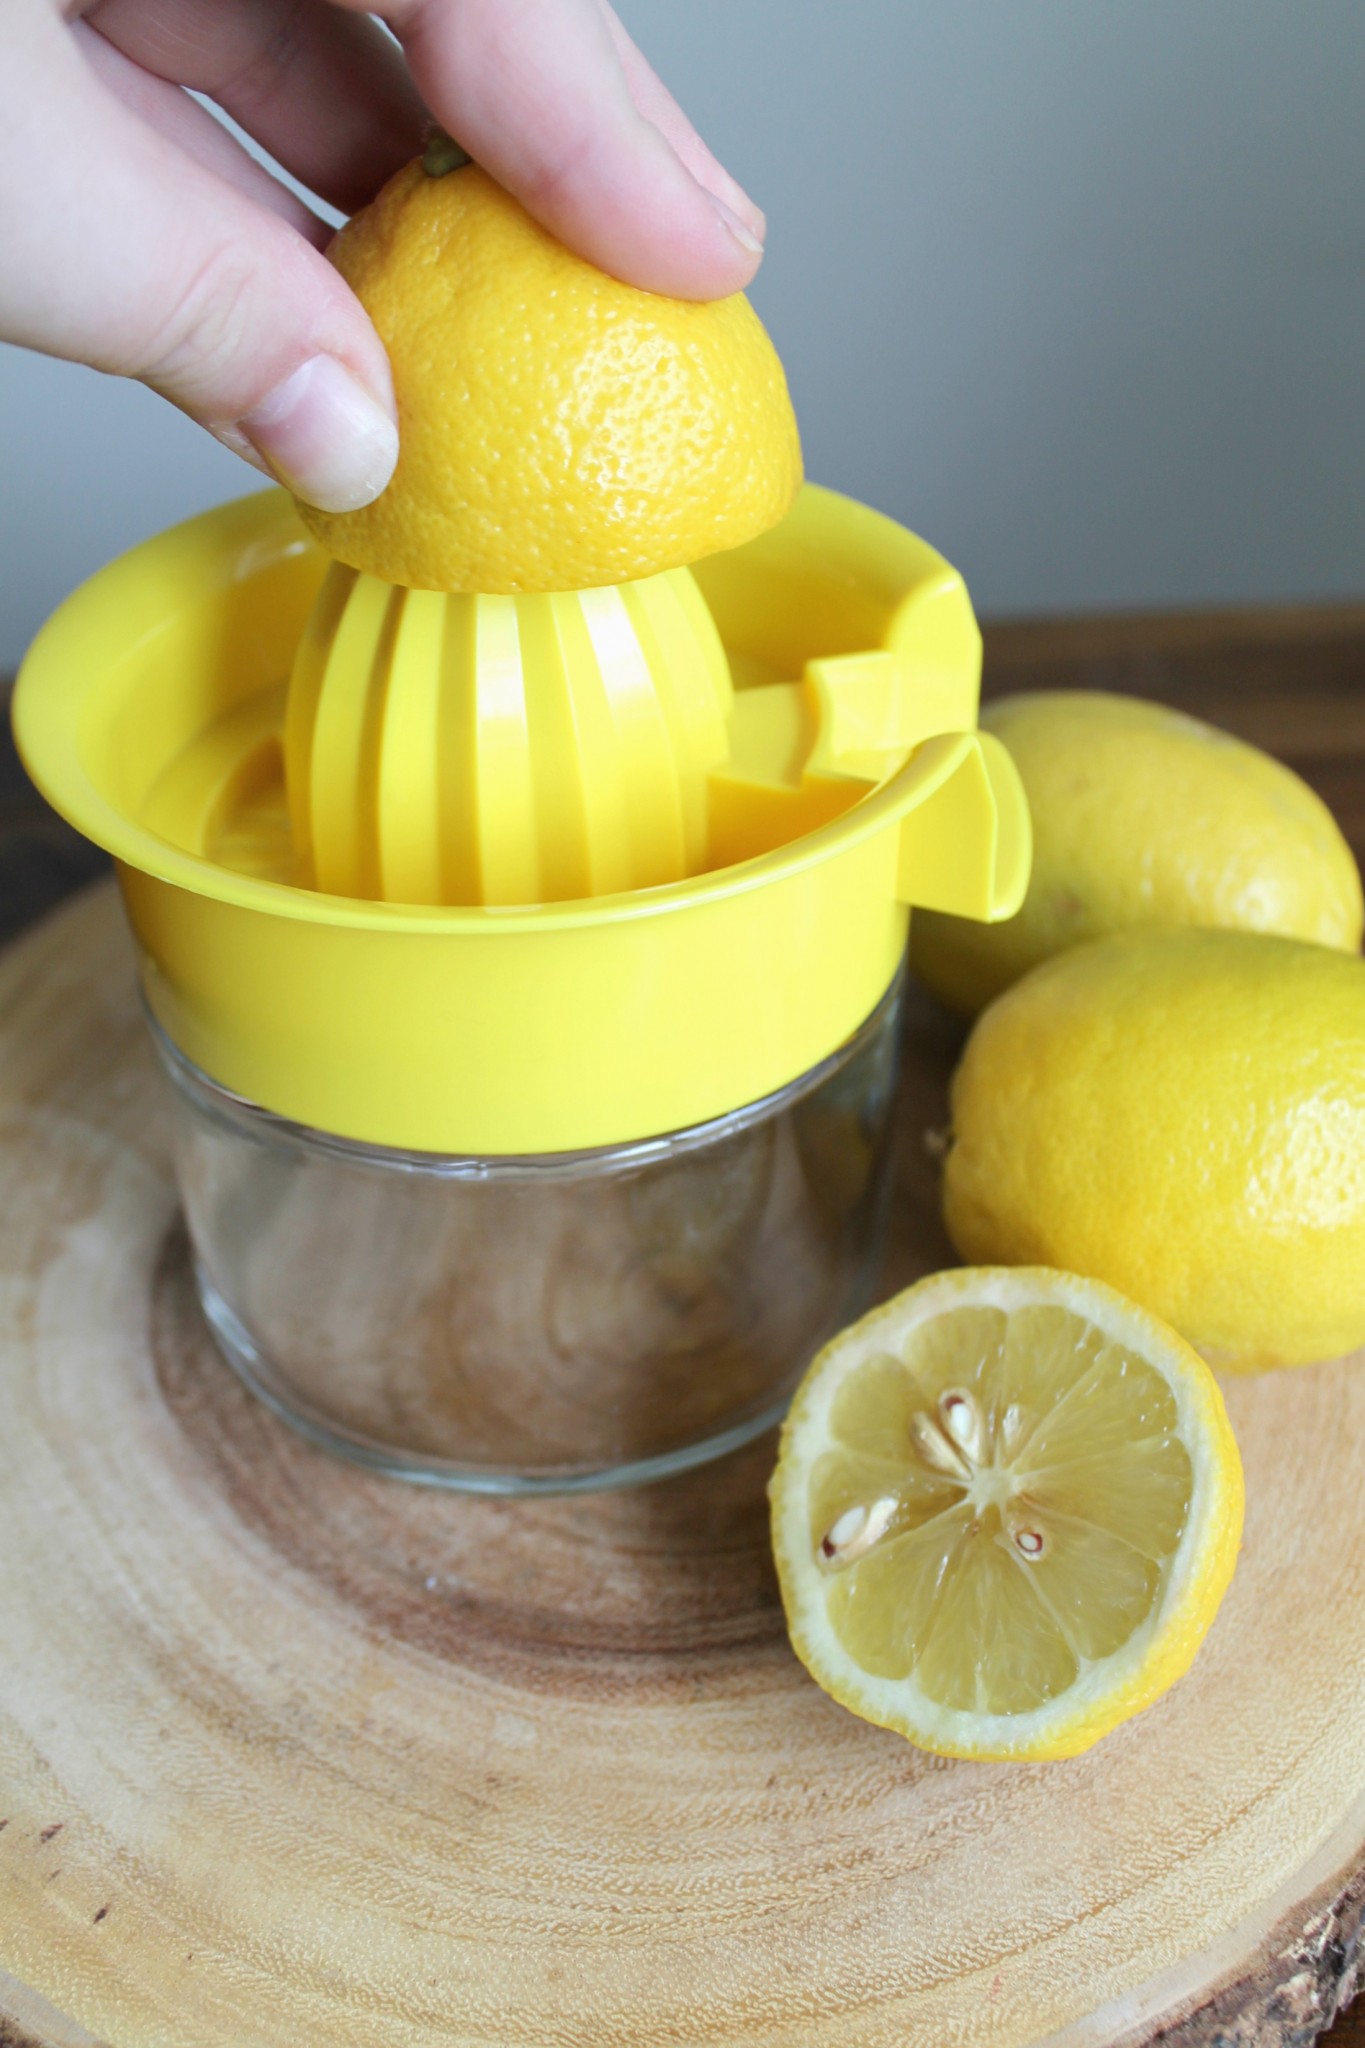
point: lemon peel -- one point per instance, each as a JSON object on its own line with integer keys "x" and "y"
{"x": 1182, "y": 1114}
{"x": 559, "y": 430}
{"x": 1144, "y": 816}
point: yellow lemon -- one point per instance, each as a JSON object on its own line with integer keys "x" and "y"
{"x": 559, "y": 429}
{"x": 1181, "y": 1114}
{"x": 1005, "y": 1510}
{"x": 1142, "y": 816}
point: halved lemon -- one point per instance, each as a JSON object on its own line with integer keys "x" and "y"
{"x": 1006, "y": 1507}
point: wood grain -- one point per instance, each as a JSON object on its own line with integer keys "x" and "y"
{"x": 290, "y": 1755}
{"x": 293, "y": 1755}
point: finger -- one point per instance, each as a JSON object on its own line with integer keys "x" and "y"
{"x": 141, "y": 261}
{"x": 170, "y": 110}
{"x": 658, "y": 105}
{"x": 325, "y": 91}
{"x": 536, "y": 93}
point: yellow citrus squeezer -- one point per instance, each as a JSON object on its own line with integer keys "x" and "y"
{"x": 518, "y": 875}
{"x": 525, "y": 968}
{"x": 504, "y": 875}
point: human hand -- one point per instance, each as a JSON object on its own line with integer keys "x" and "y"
{"x": 141, "y": 238}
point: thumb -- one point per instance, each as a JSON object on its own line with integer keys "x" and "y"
{"x": 130, "y": 256}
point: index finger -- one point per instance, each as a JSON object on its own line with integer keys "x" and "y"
{"x": 536, "y": 92}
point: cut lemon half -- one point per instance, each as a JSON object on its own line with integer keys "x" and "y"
{"x": 1006, "y": 1507}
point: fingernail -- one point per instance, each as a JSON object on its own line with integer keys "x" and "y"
{"x": 740, "y": 204}
{"x": 324, "y": 437}
{"x": 236, "y": 440}
{"x": 747, "y": 239}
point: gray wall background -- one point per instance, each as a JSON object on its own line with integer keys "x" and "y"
{"x": 1074, "y": 287}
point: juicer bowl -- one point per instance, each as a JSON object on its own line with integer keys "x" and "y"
{"x": 150, "y": 712}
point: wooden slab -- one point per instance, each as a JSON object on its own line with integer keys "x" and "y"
{"x": 292, "y": 1757}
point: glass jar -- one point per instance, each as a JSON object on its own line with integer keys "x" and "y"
{"x": 540, "y": 1324}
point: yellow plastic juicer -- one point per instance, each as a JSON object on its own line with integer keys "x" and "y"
{"x": 526, "y": 966}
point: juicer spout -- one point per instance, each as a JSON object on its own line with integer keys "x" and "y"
{"x": 966, "y": 843}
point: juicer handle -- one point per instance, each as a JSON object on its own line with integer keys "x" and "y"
{"x": 966, "y": 845}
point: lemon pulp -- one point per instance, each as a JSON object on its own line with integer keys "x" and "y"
{"x": 1006, "y": 1508}
{"x": 1053, "y": 1554}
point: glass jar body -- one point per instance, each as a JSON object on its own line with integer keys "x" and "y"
{"x": 541, "y": 1324}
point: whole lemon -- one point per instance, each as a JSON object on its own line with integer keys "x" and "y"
{"x": 1181, "y": 1114}
{"x": 1142, "y": 816}
{"x": 558, "y": 429}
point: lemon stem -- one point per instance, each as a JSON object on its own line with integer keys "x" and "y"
{"x": 443, "y": 153}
